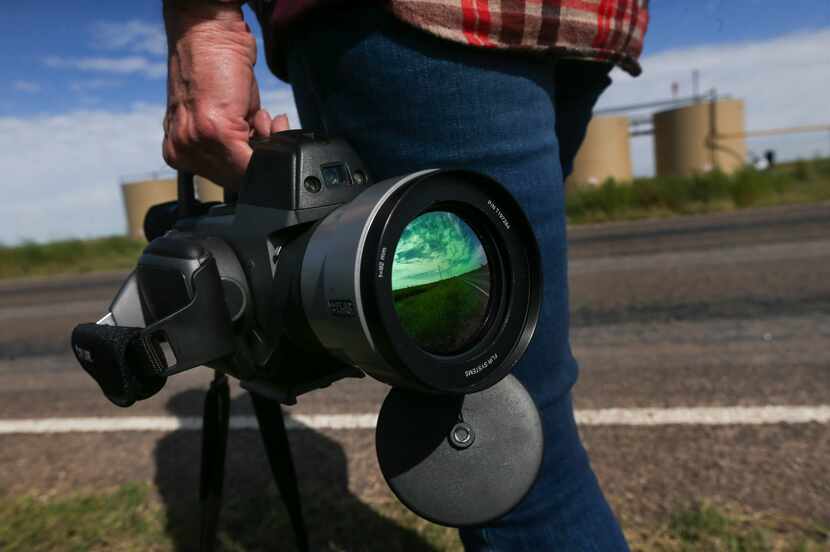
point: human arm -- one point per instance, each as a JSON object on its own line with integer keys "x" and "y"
{"x": 213, "y": 104}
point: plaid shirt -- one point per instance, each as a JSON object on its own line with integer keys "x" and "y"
{"x": 601, "y": 30}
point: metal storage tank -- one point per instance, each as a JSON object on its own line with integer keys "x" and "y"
{"x": 208, "y": 191}
{"x": 605, "y": 153}
{"x": 688, "y": 140}
{"x": 140, "y": 196}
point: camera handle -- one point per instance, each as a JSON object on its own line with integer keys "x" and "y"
{"x": 215, "y": 425}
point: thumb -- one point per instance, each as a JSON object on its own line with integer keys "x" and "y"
{"x": 280, "y": 123}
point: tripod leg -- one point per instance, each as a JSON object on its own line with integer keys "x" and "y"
{"x": 214, "y": 446}
{"x": 272, "y": 427}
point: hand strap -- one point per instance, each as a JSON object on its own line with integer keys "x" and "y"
{"x": 127, "y": 365}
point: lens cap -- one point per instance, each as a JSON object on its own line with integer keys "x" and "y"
{"x": 460, "y": 460}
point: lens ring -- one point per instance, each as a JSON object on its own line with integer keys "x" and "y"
{"x": 515, "y": 293}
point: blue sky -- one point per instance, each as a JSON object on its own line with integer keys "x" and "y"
{"x": 83, "y": 93}
{"x": 677, "y": 24}
{"x": 121, "y": 43}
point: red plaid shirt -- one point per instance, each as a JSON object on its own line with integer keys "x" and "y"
{"x": 602, "y": 30}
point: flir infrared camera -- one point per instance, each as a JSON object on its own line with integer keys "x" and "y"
{"x": 429, "y": 282}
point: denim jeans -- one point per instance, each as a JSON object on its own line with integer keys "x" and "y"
{"x": 407, "y": 101}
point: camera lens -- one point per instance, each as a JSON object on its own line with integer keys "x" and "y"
{"x": 441, "y": 282}
{"x": 429, "y": 281}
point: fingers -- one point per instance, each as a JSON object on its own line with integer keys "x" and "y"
{"x": 280, "y": 123}
{"x": 209, "y": 146}
{"x": 262, "y": 124}
{"x": 239, "y": 156}
{"x": 206, "y": 144}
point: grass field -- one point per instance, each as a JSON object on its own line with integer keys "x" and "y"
{"x": 443, "y": 316}
{"x": 131, "y": 518}
{"x": 797, "y": 182}
{"x": 69, "y": 257}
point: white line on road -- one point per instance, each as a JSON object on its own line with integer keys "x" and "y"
{"x": 702, "y": 416}
{"x": 705, "y": 415}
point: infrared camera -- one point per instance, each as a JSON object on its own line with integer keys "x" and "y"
{"x": 429, "y": 282}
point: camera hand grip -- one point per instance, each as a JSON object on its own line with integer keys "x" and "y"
{"x": 127, "y": 365}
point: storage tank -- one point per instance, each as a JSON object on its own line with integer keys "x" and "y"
{"x": 605, "y": 153}
{"x": 207, "y": 191}
{"x": 688, "y": 140}
{"x": 140, "y": 196}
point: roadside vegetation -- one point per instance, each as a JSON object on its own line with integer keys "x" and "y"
{"x": 69, "y": 257}
{"x": 705, "y": 527}
{"x": 789, "y": 183}
{"x": 797, "y": 182}
{"x": 131, "y": 517}
{"x": 443, "y": 315}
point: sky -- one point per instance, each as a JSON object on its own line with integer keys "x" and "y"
{"x": 435, "y": 246}
{"x": 83, "y": 90}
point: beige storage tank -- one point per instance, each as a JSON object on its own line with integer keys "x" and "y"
{"x": 689, "y": 140}
{"x": 140, "y": 196}
{"x": 605, "y": 153}
{"x": 207, "y": 191}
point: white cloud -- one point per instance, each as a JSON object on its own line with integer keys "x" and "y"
{"x": 143, "y": 45}
{"x": 280, "y": 101}
{"x": 61, "y": 173}
{"x": 114, "y": 65}
{"x": 27, "y": 87}
{"x": 133, "y": 36}
{"x": 783, "y": 81}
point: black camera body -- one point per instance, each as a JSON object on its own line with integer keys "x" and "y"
{"x": 202, "y": 305}
{"x": 294, "y": 180}
{"x": 429, "y": 282}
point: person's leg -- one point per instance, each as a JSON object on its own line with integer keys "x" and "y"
{"x": 578, "y": 87}
{"x": 407, "y": 101}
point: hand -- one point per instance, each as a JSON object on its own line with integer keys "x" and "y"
{"x": 213, "y": 107}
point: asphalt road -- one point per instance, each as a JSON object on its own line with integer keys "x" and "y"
{"x": 727, "y": 310}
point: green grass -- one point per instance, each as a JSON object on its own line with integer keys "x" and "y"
{"x": 132, "y": 518}
{"x": 797, "y": 182}
{"x": 444, "y": 315}
{"x": 704, "y": 527}
{"x": 69, "y": 257}
{"x": 707, "y": 528}
{"x": 123, "y": 519}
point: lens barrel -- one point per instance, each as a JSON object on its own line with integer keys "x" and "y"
{"x": 429, "y": 281}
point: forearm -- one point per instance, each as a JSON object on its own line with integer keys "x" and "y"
{"x": 206, "y": 8}
{"x": 204, "y": 37}
{"x": 222, "y": 18}
{"x": 213, "y": 106}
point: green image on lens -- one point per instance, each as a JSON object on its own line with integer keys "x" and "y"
{"x": 441, "y": 282}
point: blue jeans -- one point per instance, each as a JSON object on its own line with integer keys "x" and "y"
{"x": 408, "y": 101}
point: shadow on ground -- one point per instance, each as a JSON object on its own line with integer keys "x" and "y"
{"x": 253, "y": 516}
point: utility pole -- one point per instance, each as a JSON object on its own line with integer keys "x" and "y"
{"x": 696, "y": 84}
